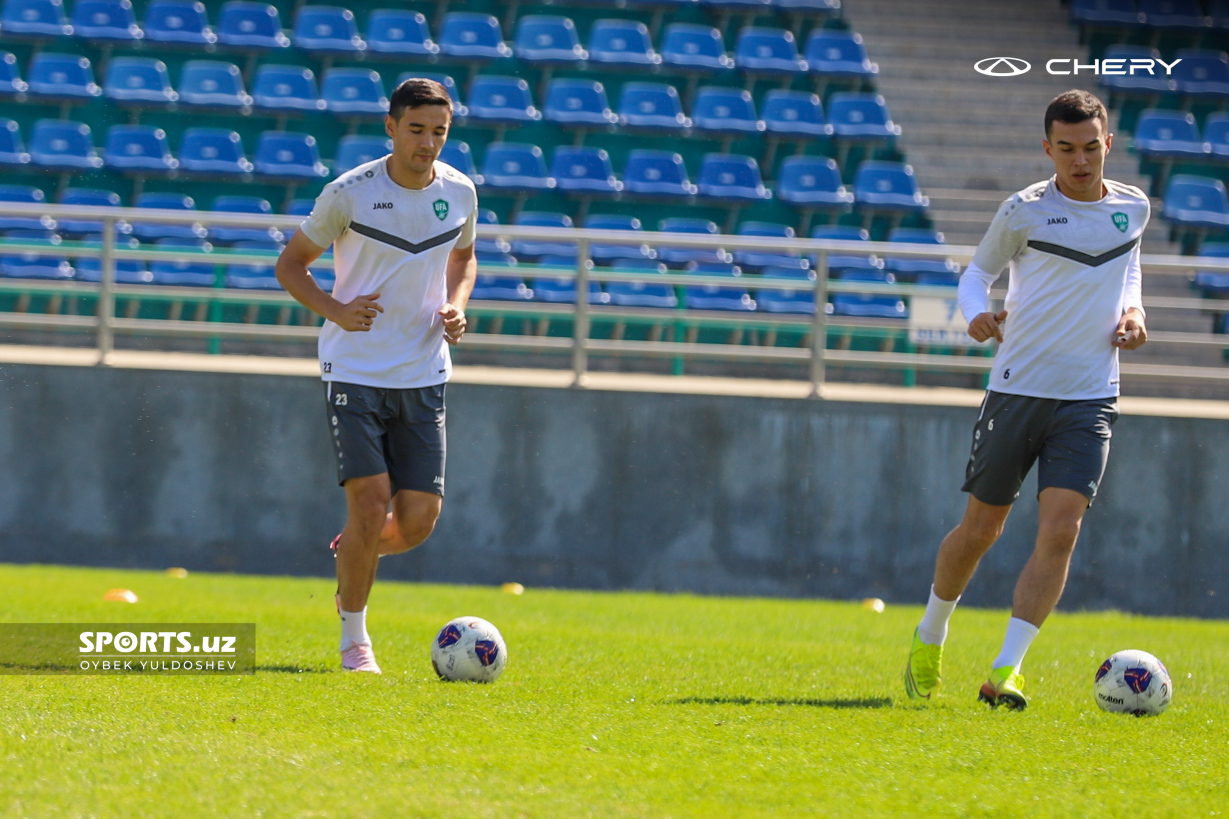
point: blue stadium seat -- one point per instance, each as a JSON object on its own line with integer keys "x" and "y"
{"x": 212, "y": 84}
{"x": 537, "y": 248}
{"x": 737, "y": 5}
{"x": 139, "y": 148}
{"x": 657, "y": 174}
{"x": 459, "y": 111}
{"x": 829, "y": 7}
{"x": 63, "y": 145}
{"x": 515, "y": 166}
{"x": 887, "y": 186}
{"x": 1201, "y": 73}
{"x": 1169, "y": 135}
{"x": 578, "y": 102}
{"x": 496, "y": 245}
{"x": 457, "y": 154}
{"x": 931, "y": 270}
{"x": 30, "y": 265}
{"x": 757, "y": 259}
{"x": 139, "y": 80}
{"x": 254, "y": 276}
{"x": 182, "y": 22}
{"x": 11, "y": 83}
{"x": 865, "y": 305}
{"x": 501, "y": 100}
{"x": 544, "y": 38}
{"x": 795, "y": 114}
{"x": 800, "y": 300}
{"x": 812, "y": 181}
{"x": 640, "y": 293}
{"x": 289, "y": 155}
{"x": 27, "y": 194}
{"x": 399, "y": 33}
{"x": 1171, "y": 14}
{"x": 584, "y": 170}
{"x": 213, "y": 151}
{"x": 493, "y": 287}
{"x": 1216, "y": 133}
{"x": 251, "y": 25}
{"x": 861, "y": 117}
{"x": 286, "y": 89}
{"x": 35, "y": 18}
{"x": 356, "y": 149}
{"x": 622, "y": 43}
{"x": 327, "y": 30}
{"x": 92, "y": 197}
{"x": 652, "y": 105}
{"x": 472, "y": 36}
{"x": 833, "y": 53}
{"x": 675, "y": 256}
{"x": 354, "y": 92}
{"x": 12, "y": 151}
{"x": 167, "y": 201}
{"x": 127, "y": 271}
{"x": 612, "y": 253}
{"x": 1196, "y": 202}
{"x": 1137, "y": 82}
{"x": 228, "y": 203}
{"x": 731, "y": 177}
{"x": 694, "y": 47}
{"x": 714, "y": 297}
{"x": 106, "y": 20}
{"x": 1116, "y": 13}
{"x": 186, "y": 273}
{"x": 768, "y": 51}
{"x": 1213, "y": 284}
{"x": 841, "y": 261}
{"x": 563, "y": 290}
{"x": 63, "y": 76}
{"x": 726, "y": 111}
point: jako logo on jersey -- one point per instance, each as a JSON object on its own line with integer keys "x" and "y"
{"x": 1121, "y": 221}
{"x": 1057, "y": 220}
{"x": 1063, "y": 67}
{"x": 441, "y": 209}
{"x": 382, "y": 206}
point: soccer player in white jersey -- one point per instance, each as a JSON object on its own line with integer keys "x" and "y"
{"x": 402, "y": 229}
{"x": 1073, "y": 301}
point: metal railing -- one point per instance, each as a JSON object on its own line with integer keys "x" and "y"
{"x": 815, "y": 327}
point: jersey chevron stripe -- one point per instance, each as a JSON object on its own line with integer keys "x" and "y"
{"x": 402, "y": 244}
{"x": 1084, "y": 258}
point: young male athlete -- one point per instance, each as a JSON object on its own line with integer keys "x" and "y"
{"x": 402, "y": 229}
{"x": 1073, "y": 301}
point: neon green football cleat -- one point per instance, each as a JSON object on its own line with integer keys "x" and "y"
{"x": 1003, "y": 688}
{"x": 922, "y": 671}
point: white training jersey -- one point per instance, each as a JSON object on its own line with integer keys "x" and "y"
{"x": 1074, "y": 271}
{"x": 393, "y": 241}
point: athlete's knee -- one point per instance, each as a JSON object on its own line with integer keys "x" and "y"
{"x": 1058, "y": 533}
{"x": 416, "y": 520}
{"x": 368, "y": 505}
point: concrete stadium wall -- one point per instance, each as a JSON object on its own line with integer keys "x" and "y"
{"x": 588, "y": 489}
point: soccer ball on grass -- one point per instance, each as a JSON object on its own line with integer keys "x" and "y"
{"x": 1133, "y": 682}
{"x": 469, "y": 649}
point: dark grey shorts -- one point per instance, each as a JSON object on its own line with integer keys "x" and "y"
{"x": 1071, "y": 439}
{"x": 377, "y": 430}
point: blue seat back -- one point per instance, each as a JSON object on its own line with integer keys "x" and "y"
{"x": 212, "y": 149}
{"x": 548, "y": 38}
{"x": 354, "y": 91}
{"x": 809, "y": 174}
{"x": 1167, "y": 125}
{"x": 35, "y": 17}
{"x": 12, "y": 150}
{"x": 651, "y": 171}
{"x": 514, "y": 164}
{"x": 688, "y": 45}
{"x": 1200, "y": 68}
{"x": 63, "y": 143}
{"x": 830, "y": 51}
{"x": 767, "y": 49}
{"x": 500, "y": 98}
{"x": 251, "y": 25}
{"x": 178, "y": 21}
{"x": 25, "y": 194}
{"x": 62, "y": 75}
{"x": 651, "y": 104}
{"x": 794, "y": 112}
{"x": 458, "y": 154}
{"x": 875, "y": 176}
{"x": 474, "y": 35}
{"x": 10, "y": 75}
{"x": 730, "y": 174}
{"x": 1196, "y": 193}
{"x": 399, "y": 31}
{"x": 725, "y": 109}
{"x": 166, "y": 201}
{"x": 139, "y": 147}
{"x": 288, "y": 153}
{"x": 87, "y": 196}
{"x": 858, "y": 112}
{"x": 212, "y": 82}
{"x": 139, "y": 79}
{"x": 581, "y": 102}
{"x": 357, "y": 149}
{"x": 621, "y": 42}
{"x": 583, "y": 168}
{"x": 105, "y": 20}
{"x": 1216, "y": 130}
{"x": 327, "y": 28}
{"x": 286, "y": 88}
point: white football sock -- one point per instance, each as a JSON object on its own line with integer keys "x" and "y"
{"x": 933, "y": 628}
{"x": 1020, "y": 634}
{"x": 354, "y": 628}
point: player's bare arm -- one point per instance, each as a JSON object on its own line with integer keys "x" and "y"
{"x": 462, "y": 273}
{"x": 987, "y": 325}
{"x": 1131, "y": 334}
{"x": 293, "y": 275}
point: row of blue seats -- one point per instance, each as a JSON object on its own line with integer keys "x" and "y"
{"x": 1165, "y": 134}
{"x": 466, "y": 36}
{"x": 349, "y": 92}
{"x": 1136, "y": 70}
{"x": 1179, "y": 15}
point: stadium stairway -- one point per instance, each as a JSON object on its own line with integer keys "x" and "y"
{"x": 973, "y": 140}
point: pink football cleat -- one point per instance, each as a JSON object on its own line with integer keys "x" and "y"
{"x": 359, "y": 657}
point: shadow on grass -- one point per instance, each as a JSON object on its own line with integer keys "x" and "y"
{"x": 292, "y": 669}
{"x": 866, "y": 702}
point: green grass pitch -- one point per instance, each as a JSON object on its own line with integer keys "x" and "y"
{"x": 612, "y": 705}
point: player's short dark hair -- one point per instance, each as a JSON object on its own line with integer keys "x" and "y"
{"x": 417, "y": 91}
{"x": 1073, "y": 107}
